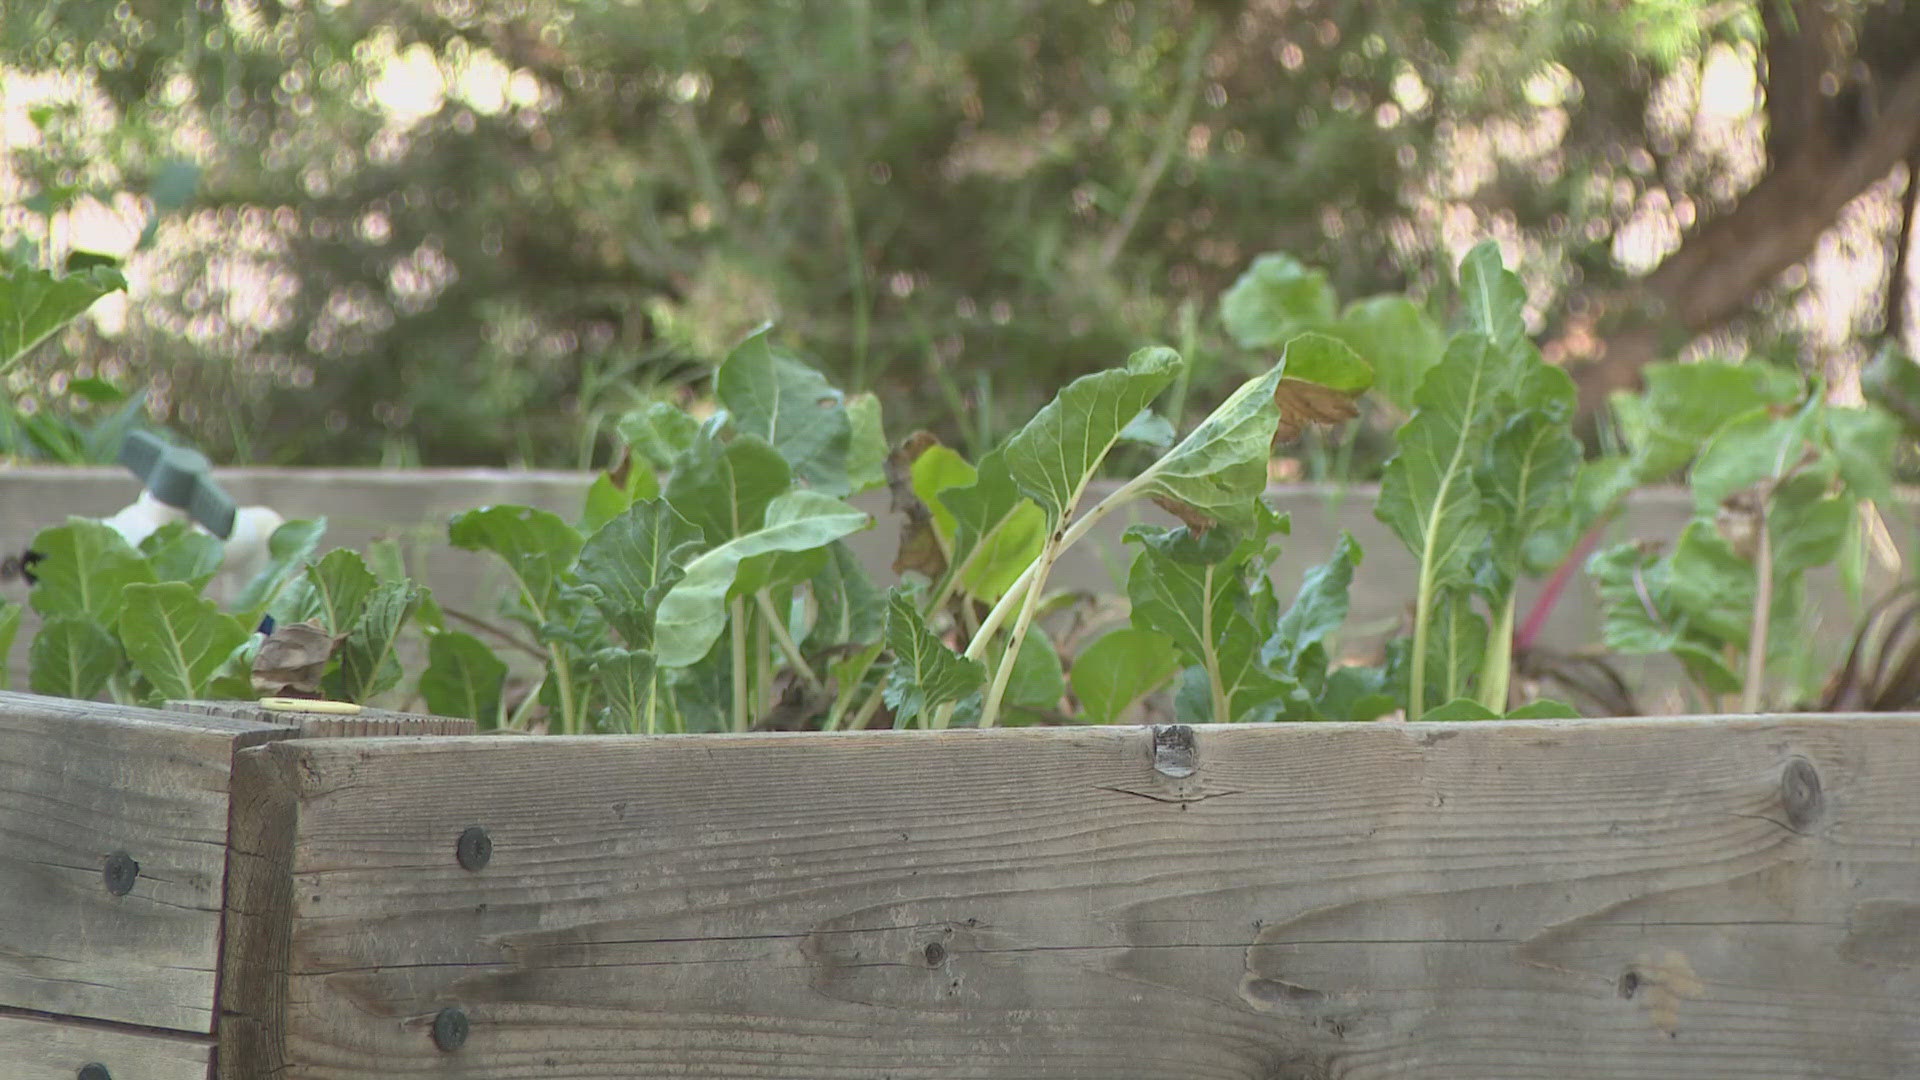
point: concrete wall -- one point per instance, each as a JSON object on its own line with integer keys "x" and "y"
{"x": 363, "y": 505}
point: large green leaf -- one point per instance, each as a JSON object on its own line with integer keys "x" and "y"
{"x": 1211, "y": 598}
{"x": 288, "y": 549}
{"x": 1526, "y": 483}
{"x": 867, "y": 450}
{"x": 1427, "y": 496}
{"x": 368, "y": 664}
{"x": 1863, "y": 442}
{"x": 1748, "y": 449}
{"x": 1684, "y": 404}
{"x": 633, "y": 561}
{"x": 724, "y": 488}
{"x": 792, "y": 407}
{"x": 176, "y": 638}
{"x": 694, "y": 610}
{"x": 1297, "y": 645}
{"x": 180, "y": 552}
{"x": 85, "y": 568}
{"x": 1642, "y": 616}
{"x": 1220, "y": 468}
{"x": 463, "y": 678}
{"x": 72, "y": 656}
{"x": 658, "y": 433}
{"x": 1275, "y": 299}
{"x": 998, "y": 532}
{"x": 34, "y": 304}
{"x": 1037, "y": 681}
{"x": 1397, "y": 339}
{"x": 1494, "y": 299}
{"x": 629, "y": 683}
{"x": 1808, "y": 528}
{"x": 1054, "y": 456}
{"x": 1119, "y": 668}
{"x": 536, "y": 545}
{"x": 332, "y": 592}
{"x": 937, "y": 469}
{"x": 849, "y": 608}
{"x": 925, "y": 673}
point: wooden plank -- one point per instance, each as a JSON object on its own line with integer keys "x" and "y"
{"x": 84, "y": 785}
{"x": 326, "y": 725}
{"x": 44, "y": 1048}
{"x": 1678, "y": 898}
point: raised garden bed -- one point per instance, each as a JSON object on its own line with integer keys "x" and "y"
{"x": 1707, "y": 897}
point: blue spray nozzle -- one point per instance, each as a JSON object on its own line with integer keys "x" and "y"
{"x": 180, "y": 477}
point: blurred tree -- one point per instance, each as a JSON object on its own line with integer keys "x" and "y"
{"x": 461, "y": 232}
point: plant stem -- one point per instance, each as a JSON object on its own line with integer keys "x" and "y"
{"x": 785, "y": 640}
{"x": 1762, "y": 616}
{"x": 1496, "y": 668}
{"x": 500, "y": 632}
{"x": 990, "y": 711}
{"x": 762, "y": 667}
{"x": 1536, "y": 620}
{"x": 1214, "y": 683}
{"x": 737, "y": 626}
{"x": 563, "y": 672}
{"x": 1422, "y": 614}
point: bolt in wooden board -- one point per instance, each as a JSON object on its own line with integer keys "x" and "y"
{"x": 1589, "y": 900}
{"x": 40, "y": 1048}
{"x": 96, "y": 797}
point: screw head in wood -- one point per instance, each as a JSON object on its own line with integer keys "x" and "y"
{"x": 120, "y": 871}
{"x": 93, "y": 1070}
{"x": 450, "y": 1029}
{"x": 936, "y": 954}
{"x": 475, "y": 848}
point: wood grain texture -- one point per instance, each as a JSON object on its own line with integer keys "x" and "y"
{"x": 320, "y": 725}
{"x": 35, "y": 1048}
{"x": 80, "y": 782}
{"x": 1578, "y": 900}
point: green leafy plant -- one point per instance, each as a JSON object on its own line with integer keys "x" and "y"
{"x": 1782, "y": 482}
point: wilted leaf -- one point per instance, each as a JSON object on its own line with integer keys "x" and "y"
{"x": 292, "y": 660}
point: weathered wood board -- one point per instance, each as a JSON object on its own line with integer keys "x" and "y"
{"x": 1597, "y": 899}
{"x": 34, "y": 1048}
{"x": 97, "y": 798}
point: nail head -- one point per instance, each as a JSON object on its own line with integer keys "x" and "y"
{"x": 120, "y": 872}
{"x": 450, "y": 1029}
{"x": 475, "y": 848}
{"x": 93, "y": 1070}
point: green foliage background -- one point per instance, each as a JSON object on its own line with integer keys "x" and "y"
{"x": 959, "y": 204}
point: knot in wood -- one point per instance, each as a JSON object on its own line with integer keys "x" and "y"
{"x": 1175, "y": 752}
{"x": 1800, "y": 793}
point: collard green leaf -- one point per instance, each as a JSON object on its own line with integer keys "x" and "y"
{"x": 629, "y": 685}
{"x": 536, "y": 545}
{"x": 288, "y": 550}
{"x": 85, "y": 568}
{"x": 1458, "y": 646}
{"x": 1460, "y": 709}
{"x": 724, "y": 488}
{"x": 792, "y": 407}
{"x": 633, "y": 561}
{"x": 1275, "y": 299}
{"x": 998, "y": 532}
{"x": 658, "y": 433}
{"x": 1397, "y": 339}
{"x": 1748, "y": 449}
{"x": 604, "y": 501}
{"x": 925, "y": 673}
{"x": 1544, "y": 709}
{"x": 938, "y": 469}
{"x": 1367, "y": 693}
{"x": 35, "y": 303}
{"x": 186, "y": 554}
{"x": 368, "y": 665}
{"x": 867, "y": 449}
{"x": 702, "y": 693}
{"x": 1495, "y": 300}
{"x": 1807, "y": 527}
{"x": 694, "y": 610}
{"x": 331, "y": 594}
{"x": 1215, "y": 604}
{"x": 1149, "y": 429}
{"x": 463, "y": 678}
{"x": 233, "y": 679}
{"x": 849, "y": 608}
{"x": 1684, "y": 404}
{"x": 1427, "y": 496}
{"x": 1526, "y": 483}
{"x": 9, "y": 627}
{"x": 1037, "y": 682}
{"x": 1218, "y": 471}
{"x": 1054, "y": 456}
{"x": 1863, "y": 442}
{"x": 1317, "y": 612}
{"x": 1119, "y": 668}
{"x": 176, "y": 638}
{"x": 72, "y": 656}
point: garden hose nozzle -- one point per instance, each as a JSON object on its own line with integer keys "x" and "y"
{"x": 181, "y": 478}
